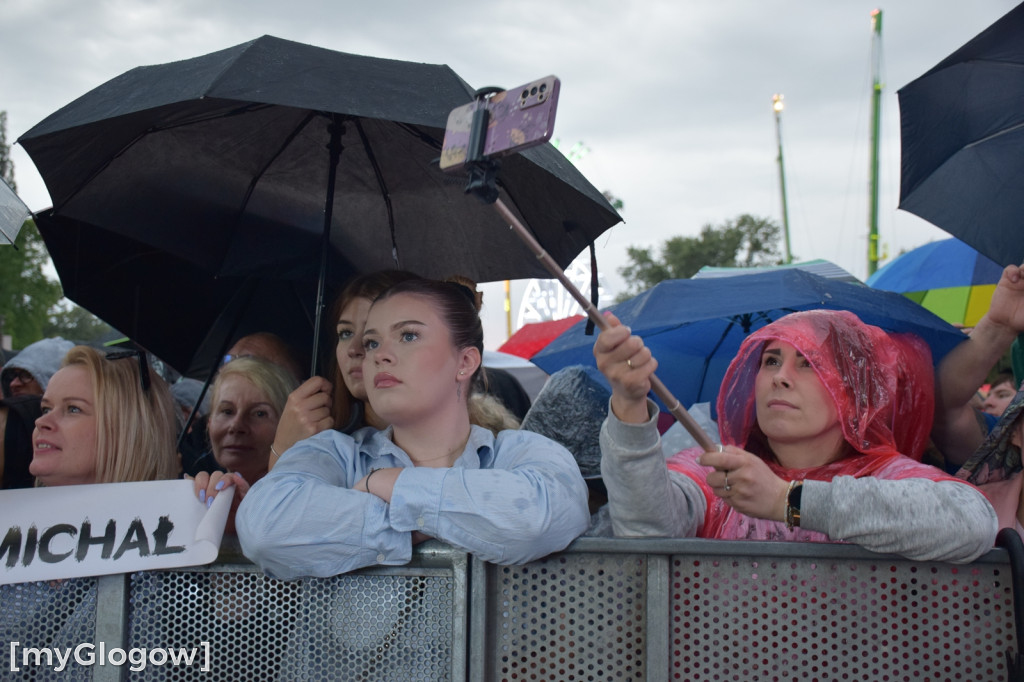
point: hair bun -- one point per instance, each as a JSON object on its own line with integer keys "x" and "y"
{"x": 465, "y": 285}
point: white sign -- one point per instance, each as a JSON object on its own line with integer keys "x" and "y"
{"x": 85, "y": 530}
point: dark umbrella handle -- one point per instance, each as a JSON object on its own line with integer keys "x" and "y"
{"x": 677, "y": 410}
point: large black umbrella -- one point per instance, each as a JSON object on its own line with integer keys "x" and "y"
{"x": 172, "y": 307}
{"x": 962, "y": 129}
{"x": 236, "y": 161}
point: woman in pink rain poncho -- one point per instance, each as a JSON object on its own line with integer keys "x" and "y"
{"x": 817, "y": 412}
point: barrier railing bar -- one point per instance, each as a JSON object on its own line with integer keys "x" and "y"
{"x": 658, "y": 626}
{"x": 748, "y": 548}
{"x": 460, "y": 614}
{"x": 477, "y": 597}
{"x": 111, "y": 622}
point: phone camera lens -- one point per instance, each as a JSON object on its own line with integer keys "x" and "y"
{"x": 526, "y": 93}
{"x": 533, "y": 90}
{"x": 543, "y": 87}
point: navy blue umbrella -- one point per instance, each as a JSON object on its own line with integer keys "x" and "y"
{"x": 695, "y": 326}
{"x": 962, "y": 136}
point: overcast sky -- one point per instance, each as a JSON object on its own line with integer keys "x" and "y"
{"x": 671, "y": 97}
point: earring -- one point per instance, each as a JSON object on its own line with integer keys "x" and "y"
{"x": 461, "y": 372}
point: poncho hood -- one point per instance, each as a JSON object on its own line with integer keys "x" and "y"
{"x": 882, "y": 385}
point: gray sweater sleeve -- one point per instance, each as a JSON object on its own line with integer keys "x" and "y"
{"x": 914, "y": 517}
{"x": 644, "y": 497}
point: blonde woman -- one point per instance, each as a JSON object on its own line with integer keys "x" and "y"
{"x": 246, "y": 402}
{"x": 105, "y": 419}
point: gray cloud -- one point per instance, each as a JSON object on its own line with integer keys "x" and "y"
{"x": 672, "y": 98}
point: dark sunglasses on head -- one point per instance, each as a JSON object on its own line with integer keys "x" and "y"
{"x": 143, "y": 365}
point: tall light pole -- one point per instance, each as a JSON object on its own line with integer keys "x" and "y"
{"x": 876, "y": 119}
{"x": 777, "y": 107}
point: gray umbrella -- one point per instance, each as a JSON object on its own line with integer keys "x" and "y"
{"x": 13, "y": 213}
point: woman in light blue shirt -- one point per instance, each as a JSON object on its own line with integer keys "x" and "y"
{"x": 334, "y": 503}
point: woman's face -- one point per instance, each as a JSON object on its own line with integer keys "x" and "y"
{"x": 792, "y": 404}
{"x": 999, "y": 396}
{"x": 411, "y": 367}
{"x": 242, "y": 426}
{"x": 64, "y": 441}
{"x": 350, "y": 345}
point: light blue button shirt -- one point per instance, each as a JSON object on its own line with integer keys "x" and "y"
{"x": 508, "y": 499}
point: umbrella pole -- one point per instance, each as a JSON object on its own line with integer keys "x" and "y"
{"x": 677, "y": 410}
{"x": 334, "y": 147}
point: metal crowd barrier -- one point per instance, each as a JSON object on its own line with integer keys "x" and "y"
{"x": 604, "y": 609}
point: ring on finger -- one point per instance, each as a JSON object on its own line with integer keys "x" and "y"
{"x": 629, "y": 363}
{"x": 727, "y": 486}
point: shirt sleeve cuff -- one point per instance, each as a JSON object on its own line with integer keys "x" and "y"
{"x": 416, "y": 499}
{"x": 634, "y": 437}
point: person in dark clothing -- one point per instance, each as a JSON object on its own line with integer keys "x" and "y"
{"x": 18, "y": 416}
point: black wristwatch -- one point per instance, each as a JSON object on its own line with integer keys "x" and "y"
{"x": 793, "y": 504}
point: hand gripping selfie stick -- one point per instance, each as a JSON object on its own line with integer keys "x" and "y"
{"x": 482, "y": 173}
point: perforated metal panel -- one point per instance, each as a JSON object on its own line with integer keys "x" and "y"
{"x": 796, "y": 619}
{"x": 57, "y": 613}
{"x": 569, "y": 617}
{"x": 352, "y": 627}
{"x": 606, "y": 609}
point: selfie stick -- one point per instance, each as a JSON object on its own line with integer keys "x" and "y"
{"x": 482, "y": 173}
{"x": 677, "y": 410}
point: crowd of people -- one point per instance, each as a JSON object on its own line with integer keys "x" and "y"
{"x": 824, "y": 423}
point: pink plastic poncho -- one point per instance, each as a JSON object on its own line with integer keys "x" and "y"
{"x": 883, "y": 388}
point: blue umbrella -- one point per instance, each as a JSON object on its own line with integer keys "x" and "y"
{"x": 695, "y": 326}
{"x": 947, "y": 277}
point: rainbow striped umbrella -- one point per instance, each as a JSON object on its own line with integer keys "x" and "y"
{"x": 947, "y": 277}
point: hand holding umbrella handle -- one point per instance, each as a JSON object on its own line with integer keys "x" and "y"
{"x": 677, "y": 410}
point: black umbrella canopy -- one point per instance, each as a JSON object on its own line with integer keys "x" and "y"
{"x": 183, "y": 315}
{"x": 224, "y": 161}
{"x": 962, "y": 131}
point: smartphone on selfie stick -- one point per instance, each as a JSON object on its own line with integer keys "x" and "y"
{"x": 501, "y": 122}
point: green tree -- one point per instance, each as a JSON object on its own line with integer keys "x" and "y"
{"x": 6, "y": 165}
{"x": 74, "y": 322}
{"x": 745, "y": 242}
{"x": 26, "y": 293}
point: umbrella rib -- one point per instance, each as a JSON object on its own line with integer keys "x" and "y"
{"x": 422, "y": 136}
{"x": 1004, "y": 131}
{"x": 148, "y": 131}
{"x": 383, "y": 189}
{"x": 273, "y": 157}
{"x": 707, "y": 358}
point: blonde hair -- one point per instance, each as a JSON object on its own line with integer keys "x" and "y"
{"x": 135, "y": 429}
{"x": 273, "y": 381}
{"x": 487, "y": 411}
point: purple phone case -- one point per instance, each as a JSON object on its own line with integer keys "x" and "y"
{"x": 520, "y": 118}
